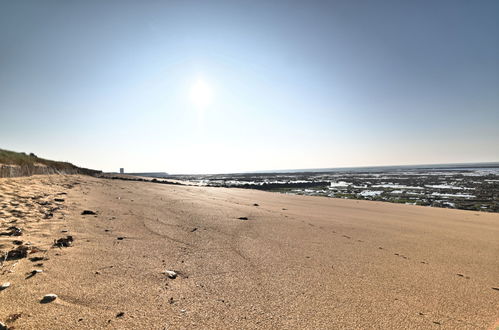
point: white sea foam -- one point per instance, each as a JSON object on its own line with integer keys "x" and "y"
{"x": 453, "y": 195}
{"x": 368, "y": 193}
{"x": 393, "y": 185}
{"x": 340, "y": 184}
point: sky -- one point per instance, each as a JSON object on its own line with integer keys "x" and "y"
{"x": 234, "y": 86}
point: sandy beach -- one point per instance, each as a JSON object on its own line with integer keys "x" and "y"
{"x": 291, "y": 262}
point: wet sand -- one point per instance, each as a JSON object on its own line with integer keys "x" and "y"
{"x": 297, "y": 262}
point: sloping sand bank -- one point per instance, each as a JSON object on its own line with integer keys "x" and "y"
{"x": 296, "y": 262}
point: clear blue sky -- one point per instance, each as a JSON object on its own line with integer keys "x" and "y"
{"x": 305, "y": 84}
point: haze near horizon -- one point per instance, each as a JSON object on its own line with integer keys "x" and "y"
{"x": 231, "y": 86}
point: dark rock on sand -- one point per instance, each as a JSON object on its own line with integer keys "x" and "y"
{"x": 12, "y": 231}
{"x": 64, "y": 242}
{"x": 17, "y": 253}
{"x": 48, "y": 298}
{"x": 88, "y": 212}
{"x": 35, "y": 259}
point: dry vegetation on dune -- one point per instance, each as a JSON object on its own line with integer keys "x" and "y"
{"x": 14, "y": 164}
{"x": 22, "y": 159}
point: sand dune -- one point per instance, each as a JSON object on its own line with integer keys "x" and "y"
{"x": 296, "y": 262}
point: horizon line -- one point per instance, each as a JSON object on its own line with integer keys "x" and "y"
{"x": 489, "y": 164}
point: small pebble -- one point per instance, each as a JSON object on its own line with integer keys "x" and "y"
{"x": 3, "y": 326}
{"x": 171, "y": 274}
{"x": 49, "y": 298}
{"x": 4, "y": 285}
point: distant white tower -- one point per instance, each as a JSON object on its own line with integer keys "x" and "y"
{"x": 122, "y": 170}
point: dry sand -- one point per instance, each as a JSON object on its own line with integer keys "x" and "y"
{"x": 297, "y": 262}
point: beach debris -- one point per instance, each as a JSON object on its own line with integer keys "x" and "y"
{"x": 17, "y": 253}
{"x": 33, "y": 273}
{"x": 12, "y": 231}
{"x": 497, "y": 289}
{"x": 64, "y": 242}
{"x": 88, "y": 212}
{"x": 35, "y": 259}
{"x": 194, "y": 229}
{"x": 243, "y": 218}
{"x": 64, "y": 231}
{"x": 17, "y": 242}
{"x": 120, "y": 314}
{"x": 4, "y": 286}
{"x": 3, "y": 326}
{"x": 171, "y": 274}
{"x": 256, "y": 204}
{"x": 120, "y": 238}
{"x": 35, "y": 249}
{"x": 59, "y": 199}
{"x": 13, "y": 317}
{"x": 48, "y": 215}
{"x": 48, "y": 298}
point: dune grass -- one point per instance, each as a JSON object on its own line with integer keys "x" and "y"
{"x": 22, "y": 159}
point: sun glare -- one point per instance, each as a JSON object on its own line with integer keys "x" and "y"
{"x": 201, "y": 94}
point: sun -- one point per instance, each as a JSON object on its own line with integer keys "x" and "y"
{"x": 201, "y": 94}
